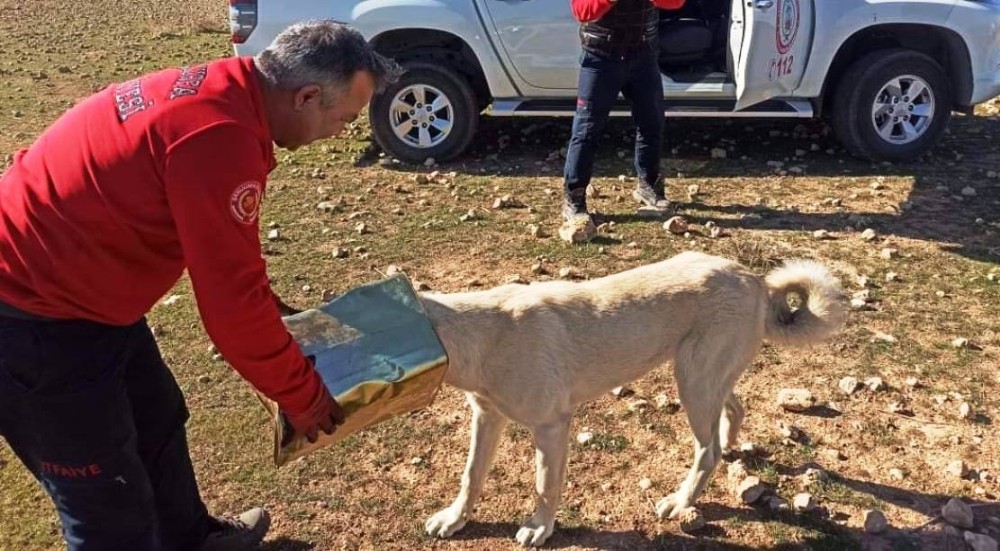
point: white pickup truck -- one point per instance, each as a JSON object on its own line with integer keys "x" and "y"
{"x": 886, "y": 73}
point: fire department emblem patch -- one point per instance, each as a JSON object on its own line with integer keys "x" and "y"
{"x": 245, "y": 202}
{"x": 788, "y": 24}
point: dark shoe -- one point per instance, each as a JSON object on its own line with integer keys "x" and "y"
{"x": 575, "y": 204}
{"x": 651, "y": 196}
{"x": 237, "y": 534}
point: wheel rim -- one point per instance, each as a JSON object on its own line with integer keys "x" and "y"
{"x": 421, "y": 116}
{"x": 903, "y": 110}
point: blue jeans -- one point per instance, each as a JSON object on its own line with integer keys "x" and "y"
{"x": 601, "y": 80}
{"x": 95, "y": 415}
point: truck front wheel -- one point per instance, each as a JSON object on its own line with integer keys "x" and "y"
{"x": 892, "y": 105}
{"x": 430, "y": 112}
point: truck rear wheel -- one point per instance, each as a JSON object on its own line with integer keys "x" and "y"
{"x": 892, "y": 105}
{"x": 430, "y": 112}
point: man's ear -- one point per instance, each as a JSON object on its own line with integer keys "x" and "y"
{"x": 307, "y": 94}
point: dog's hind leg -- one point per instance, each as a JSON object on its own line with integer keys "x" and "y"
{"x": 487, "y": 427}
{"x": 551, "y": 446}
{"x": 704, "y": 383}
{"x": 730, "y": 422}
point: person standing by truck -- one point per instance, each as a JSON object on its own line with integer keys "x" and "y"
{"x": 619, "y": 40}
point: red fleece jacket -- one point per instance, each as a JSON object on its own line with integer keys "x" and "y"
{"x": 592, "y": 10}
{"x": 103, "y": 213}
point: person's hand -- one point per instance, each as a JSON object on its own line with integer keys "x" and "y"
{"x": 325, "y": 417}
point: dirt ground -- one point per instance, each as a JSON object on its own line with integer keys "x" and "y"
{"x": 928, "y": 277}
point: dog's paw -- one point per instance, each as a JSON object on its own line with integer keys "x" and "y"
{"x": 445, "y": 523}
{"x": 670, "y": 506}
{"x": 533, "y": 533}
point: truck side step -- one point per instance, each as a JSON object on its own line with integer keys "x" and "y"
{"x": 705, "y": 108}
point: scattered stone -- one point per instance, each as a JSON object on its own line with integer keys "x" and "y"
{"x": 875, "y": 384}
{"x": 328, "y": 206}
{"x": 795, "y": 400}
{"x": 875, "y": 522}
{"x": 568, "y": 272}
{"x": 969, "y": 191}
{"x": 718, "y": 153}
{"x": 620, "y": 391}
{"x": 957, "y": 469}
{"x": 751, "y": 490}
{"x": 980, "y": 542}
{"x": 690, "y": 519}
{"x": 537, "y": 268}
{"x": 677, "y": 225}
{"x": 791, "y": 432}
{"x": 961, "y": 342}
{"x": 777, "y": 503}
{"x": 693, "y": 191}
{"x": 593, "y": 192}
{"x": 821, "y": 234}
{"x": 889, "y": 253}
{"x": 749, "y": 449}
{"x": 578, "y": 230}
{"x": 896, "y": 474}
{"x": 814, "y": 475}
{"x": 885, "y": 337}
{"x": 736, "y": 473}
{"x": 869, "y": 235}
{"x": 849, "y": 385}
{"x": 361, "y": 228}
{"x": 716, "y": 232}
{"x": 170, "y": 300}
{"x": 430, "y": 162}
{"x": 507, "y": 202}
{"x": 958, "y": 513}
{"x": 804, "y": 503}
{"x": 900, "y": 408}
{"x": 965, "y": 411}
{"x": 645, "y": 484}
{"x": 584, "y": 438}
{"x": 416, "y": 460}
{"x": 636, "y": 406}
{"x": 471, "y": 215}
{"x": 274, "y": 235}
{"x": 891, "y": 277}
{"x": 536, "y": 231}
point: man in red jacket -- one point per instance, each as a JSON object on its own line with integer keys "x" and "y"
{"x": 98, "y": 219}
{"x": 619, "y": 39}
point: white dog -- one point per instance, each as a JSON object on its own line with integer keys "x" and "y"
{"x": 533, "y": 353}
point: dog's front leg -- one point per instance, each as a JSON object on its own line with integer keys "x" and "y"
{"x": 551, "y": 443}
{"x": 487, "y": 427}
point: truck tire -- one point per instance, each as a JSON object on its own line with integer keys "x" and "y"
{"x": 875, "y": 115}
{"x": 430, "y": 112}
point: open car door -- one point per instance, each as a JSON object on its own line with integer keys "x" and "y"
{"x": 770, "y": 42}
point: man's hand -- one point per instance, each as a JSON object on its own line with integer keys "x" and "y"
{"x": 324, "y": 418}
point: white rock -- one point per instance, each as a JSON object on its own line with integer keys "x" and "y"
{"x": 416, "y": 460}
{"x": 814, "y": 476}
{"x": 361, "y": 228}
{"x": 875, "y": 384}
{"x": 869, "y": 235}
{"x": 821, "y": 234}
{"x": 170, "y": 300}
{"x": 274, "y": 234}
{"x": 891, "y": 277}
{"x": 804, "y": 503}
{"x": 875, "y": 522}
{"x": 957, "y": 469}
{"x": 638, "y": 405}
{"x": 690, "y": 520}
{"x": 536, "y": 231}
{"x": 858, "y": 304}
{"x": 896, "y": 474}
{"x": 960, "y": 342}
{"x": 568, "y": 272}
{"x": 693, "y": 190}
{"x": 965, "y": 411}
{"x": 777, "y": 503}
{"x": 980, "y": 542}
{"x": 889, "y": 253}
{"x": 790, "y": 432}
{"x": 750, "y": 490}
{"x": 677, "y": 225}
{"x": 885, "y": 337}
{"x": 969, "y": 191}
{"x": 795, "y": 399}
{"x": 620, "y": 391}
{"x": 645, "y": 484}
{"x": 584, "y": 438}
{"x": 339, "y": 252}
{"x": 912, "y": 382}
{"x": 958, "y": 513}
{"x": 430, "y": 162}
{"x": 849, "y": 385}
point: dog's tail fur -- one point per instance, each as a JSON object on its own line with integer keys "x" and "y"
{"x": 823, "y": 310}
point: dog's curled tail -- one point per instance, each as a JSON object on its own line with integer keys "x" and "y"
{"x": 822, "y": 311}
